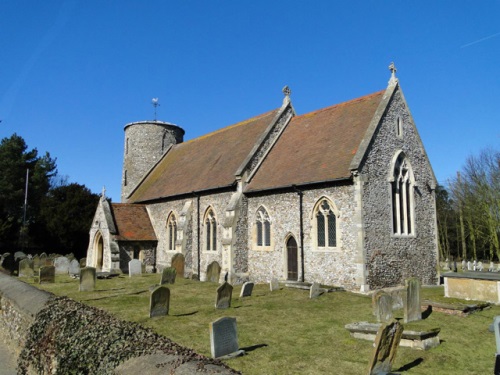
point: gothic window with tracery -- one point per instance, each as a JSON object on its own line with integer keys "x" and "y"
{"x": 210, "y": 231}
{"x": 402, "y": 186}
{"x": 326, "y": 225}
{"x": 171, "y": 231}
{"x": 263, "y": 224}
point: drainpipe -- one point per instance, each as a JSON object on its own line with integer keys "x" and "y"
{"x": 154, "y": 259}
{"x": 198, "y": 231}
{"x": 301, "y": 235}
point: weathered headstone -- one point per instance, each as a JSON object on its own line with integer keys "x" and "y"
{"x": 178, "y": 263}
{"x": 446, "y": 266}
{"x": 74, "y": 268}
{"x": 26, "y": 268}
{"x": 382, "y": 306}
{"x": 412, "y": 309}
{"x": 314, "y": 291}
{"x": 224, "y": 293}
{"x": 246, "y": 289}
{"x": 19, "y": 255}
{"x": 491, "y": 268}
{"x": 159, "y": 301}
{"x": 62, "y": 265}
{"x": 83, "y": 262}
{"x": 464, "y": 265}
{"x": 213, "y": 272}
{"x": 47, "y": 274}
{"x": 87, "y": 279}
{"x": 36, "y": 262}
{"x": 134, "y": 267}
{"x": 168, "y": 276}
{"x": 386, "y": 346}
{"x": 274, "y": 285}
{"x": 224, "y": 338}
{"x": 479, "y": 267}
{"x": 469, "y": 266}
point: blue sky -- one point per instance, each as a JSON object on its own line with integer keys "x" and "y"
{"x": 73, "y": 73}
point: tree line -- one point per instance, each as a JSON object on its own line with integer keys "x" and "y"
{"x": 468, "y": 210}
{"x": 39, "y": 210}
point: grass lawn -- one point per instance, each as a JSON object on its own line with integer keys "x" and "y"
{"x": 287, "y": 333}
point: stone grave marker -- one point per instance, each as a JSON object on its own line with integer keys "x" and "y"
{"x": 274, "y": 285}
{"x": 62, "y": 265}
{"x": 469, "y": 266}
{"x": 412, "y": 309}
{"x": 36, "y": 262}
{"x": 315, "y": 291}
{"x": 246, "y": 289}
{"x": 382, "y": 306}
{"x": 134, "y": 267}
{"x": 47, "y": 274}
{"x": 178, "y": 263}
{"x": 491, "y": 268}
{"x": 224, "y": 293}
{"x": 26, "y": 268}
{"x": 464, "y": 265}
{"x": 168, "y": 276}
{"x": 159, "y": 301}
{"x": 224, "y": 338}
{"x": 87, "y": 279}
{"x": 386, "y": 346}
{"x": 479, "y": 267}
{"x": 19, "y": 255}
{"x": 83, "y": 262}
{"x": 74, "y": 268}
{"x": 213, "y": 272}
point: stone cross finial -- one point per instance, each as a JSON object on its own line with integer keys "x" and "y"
{"x": 155, "y": 103}
{"x": 286, "y": 91}
{"x": 103, "y": 194}
{"x": 393, "y": 70}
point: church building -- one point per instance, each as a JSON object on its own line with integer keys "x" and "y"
{"x": 343, "y": 196}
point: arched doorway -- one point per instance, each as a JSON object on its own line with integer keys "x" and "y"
{"x": 99, "y": 252}
{"x": 291, "y": 259}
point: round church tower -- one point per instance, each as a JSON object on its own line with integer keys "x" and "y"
{"x": 145, "y": 143}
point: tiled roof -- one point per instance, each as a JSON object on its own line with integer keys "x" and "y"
{"x": 132, "y": 222}
{"x": 204, "y": 163}
{"x": 317, "y": 146}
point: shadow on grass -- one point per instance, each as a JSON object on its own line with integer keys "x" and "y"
{"x": 253, "y": 347}
{"x": 410, "y": 365}
{"x": 427, "y": 312}
{"x": 113, "y": 295}
{"x": 186, "y": 314}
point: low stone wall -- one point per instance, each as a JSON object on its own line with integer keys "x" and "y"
{"x": 57, "y": 335}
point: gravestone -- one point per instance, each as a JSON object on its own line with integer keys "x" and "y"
{"x": 87, "y": 279}
{"x": 178, "y": 264}
{"x": 314, "y": 291}
{"x": 134, "y": 267}
{"x": 412, "y": 309}
{"x": 36, "y": 262}
{"x": 274, "y": 285}
{"x": 74, "y": 267}
{"x": 479, "y": 267}
{"x": 491, "y": 268}
{"x": 446, "y": 266}
{"x": 464, "y": 265}
{"x": 382, "y": 306}
{"x": 224, "y": 338}
{"x": 469, "y": 266}
{"x": 159, "y": 302}
{"x": 26, "y": 268}
{"x": 83, "y": 262}
{"x": 168, "y": 276}
{"x": 62, "y": 265}
{"x": 224, "y": 293}
{"x": 47, "y": 274}
{"x": 19, "y": 255}
{"x": 213, "y": 272}
{"x": 246, "y": 289}
{"x": 386, "y": 346}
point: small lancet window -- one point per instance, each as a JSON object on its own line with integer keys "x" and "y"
{"x": 263, "y": 224}
{"x": 172, "y": 231}
{"x": 399, "y": 127}
{"x": 210, "y": 231}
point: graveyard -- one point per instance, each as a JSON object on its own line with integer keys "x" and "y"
{"x": 284, "y": 331}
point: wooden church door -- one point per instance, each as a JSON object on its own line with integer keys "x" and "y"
{"x": 292, "y": 264}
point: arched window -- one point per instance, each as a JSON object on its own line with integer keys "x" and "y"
{"x": 325, "y": 225}
{"x": 171, "y": 231}
{"x": 210, "y": 230}
{"x": 263, "y": 226}
{"x": 402, "y": 186}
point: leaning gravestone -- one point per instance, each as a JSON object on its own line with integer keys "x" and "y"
{"x": 87, "y": 279}
{"x": 386, "y": 346}
{"x": 314, "y": 291}
{"x": 159, "y": 302}
{"x": 47, "y": 274}
{"x": 134, "y": 267}
{"x": 224, "y": 293}
{"x": 224, "y": 338}
{"x": 26, "y": 268}
{"x": 168, "y": 276}
{"x": 178, "y": 263}
{"x": 412, "y": 308}
{"x": 246, "y": 289}
{"x": 62, "y": 265}
{"x": 213, "y": 272}
{"x": 382, "y": 306}
{"x": 74, "y": 268}
{"x": 274, "y": 285}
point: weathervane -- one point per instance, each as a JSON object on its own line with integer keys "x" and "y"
{"x": 155, "y": 103}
